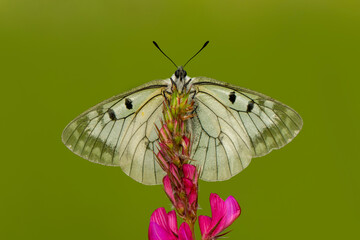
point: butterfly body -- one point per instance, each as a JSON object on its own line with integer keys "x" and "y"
{"x": 231, "y": 125}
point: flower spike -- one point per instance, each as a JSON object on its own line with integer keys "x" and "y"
{"x": 181, "y": 180}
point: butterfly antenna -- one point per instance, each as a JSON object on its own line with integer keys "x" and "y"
{"x": 207, "y": 42}
{"x": 156, "y": 45}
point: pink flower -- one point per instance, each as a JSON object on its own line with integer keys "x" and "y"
{"x": 163, "y": 226}
{"x": 224, "y": 213}
{"x": 168, "y": 189}
{"x": 183, "y": 190}
{"x": 185, "y": 143}
{"x": 185, "y": 186}
{"x": 190, "y": 181}
{"x": 185, "y": 232}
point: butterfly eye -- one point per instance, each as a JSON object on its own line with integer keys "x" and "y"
{"x": 184, "y": 74}
{"x": 177, "y": 73}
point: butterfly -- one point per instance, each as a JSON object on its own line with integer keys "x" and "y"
{"x": 231, "y": 125}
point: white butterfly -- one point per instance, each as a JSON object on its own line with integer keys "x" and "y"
{"x": 231, "y": 126}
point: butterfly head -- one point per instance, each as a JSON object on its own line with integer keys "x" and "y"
{"x": 180, "y": 79}
{"x": 180, "y": 74}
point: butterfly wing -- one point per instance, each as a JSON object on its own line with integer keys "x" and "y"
{"x": 120, "y": 131}
{"x": 234, "y": 124}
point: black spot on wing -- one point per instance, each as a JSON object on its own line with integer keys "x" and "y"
{"x": 232, "y": 97}
{"x": 128, "y": 103}
{"x": 111, "y": 113}
{"x": 250, "y": 106}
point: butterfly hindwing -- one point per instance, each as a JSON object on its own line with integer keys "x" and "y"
{"x": 120, "y": 132}
{"x": 234, "y": 124}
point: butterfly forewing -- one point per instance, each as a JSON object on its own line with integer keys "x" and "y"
{"x": 234, "y": 124}
{"x": 121, "y": 132}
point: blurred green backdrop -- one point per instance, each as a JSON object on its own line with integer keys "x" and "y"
{"x": 58, "y": 58}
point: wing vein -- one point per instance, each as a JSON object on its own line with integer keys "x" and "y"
{"x": 97, "y": 138}
{"x": 131, "y": 137}
{"x": 136, "y": 114}
{"x": 227, "y": 156}
{"x": 82, "y": 132}
{"x": 198, "y": 142}
{"x": 142, "y": 174}
{"x": 282, "y": 135}
{"x": 154, "y": 160}
{"x": 267, "y": 127}
{"x": 207, "y": 149}
{"x": 216, "y": 161}
{"x": 232, "y": 142}
{"x": 87, "y": 138}
{"x": 262, "y": 137}
{"x": 132, "y": 159}
{"x": 248, "y": 134}
{"x": 107, "y": 138}
{"x": 285, "y": 114}
{"x": 224, "y": 120}
{"x": 117, "y": 142}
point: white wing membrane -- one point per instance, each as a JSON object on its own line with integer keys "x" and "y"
{"x": 233, "y": 125}
{"x": 120, "y": 132}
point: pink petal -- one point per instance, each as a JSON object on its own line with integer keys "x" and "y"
{"x": 196, "y": 177}
{"x": 193, "y": 197}
{"x": 158, "y": 233}
{"x": 218, "y": 208}
{"x": 160, "y": 217}
{"x": 162, "y": 160}
{"x": 224, "y": 213}
{"x": 175, "y": 173}
{"x": 168, "y": 134}
{"x": 232, "y": 210}
{"x": 204, "y": 224}
{"x": 168, "y": 188}
{"x": 185, "y": 232}
{"x": 186, "y": 140}
{"x": 163, "y": 225}
{"x": 163, "y": 133}
{"x": 188, "y": 185}
{"x": 218, "y": 211}
{"x": 183, "y": 129}
{"x": 189, "y": 171}
{"x": 163, "y": 146}
{"x": 179, "y": 205}
{"x": 172, "y": 221}
{"x": 176, "y": 125}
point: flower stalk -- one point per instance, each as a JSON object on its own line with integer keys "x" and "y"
{"x": 181, "y": 180}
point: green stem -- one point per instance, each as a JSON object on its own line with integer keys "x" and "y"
{"x": 191, "y": 225}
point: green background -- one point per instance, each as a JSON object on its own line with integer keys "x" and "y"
{"x": 58, "y": 58}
